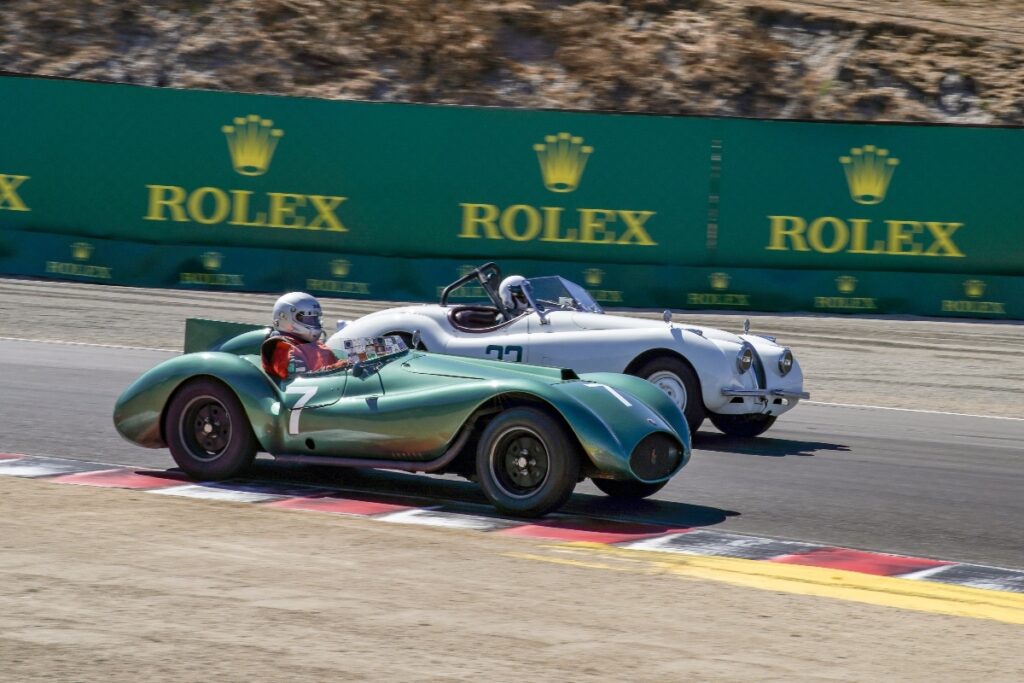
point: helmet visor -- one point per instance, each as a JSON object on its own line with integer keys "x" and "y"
{"x": 310, "y": 319}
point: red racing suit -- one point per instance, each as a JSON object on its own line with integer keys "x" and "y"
{"x": 298, "y": 356}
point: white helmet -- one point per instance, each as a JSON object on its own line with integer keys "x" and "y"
{"x": 511, "y": 293}
{"x": 298, "y": 314}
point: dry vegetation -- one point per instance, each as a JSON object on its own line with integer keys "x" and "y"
{"x": 919, "y": 60}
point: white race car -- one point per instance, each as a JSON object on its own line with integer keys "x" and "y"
{"x": 742, "y": 383}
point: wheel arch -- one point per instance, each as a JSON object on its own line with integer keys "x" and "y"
{"x": 650, "y": 354}
{"x": 185, "y": 381}
{"x": 495, "y": 405}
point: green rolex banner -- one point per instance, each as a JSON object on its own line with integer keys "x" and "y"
{"x": 872, "y": 197}
{"x": 193, "y": 189}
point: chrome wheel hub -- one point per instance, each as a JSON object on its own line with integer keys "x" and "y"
{"x": 672, "y": 385}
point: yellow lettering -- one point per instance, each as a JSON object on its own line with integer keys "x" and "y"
{"x": 508, "y": 223}
{"x": 779, "y": 233}
{"x": 841, "y": 235}
{"x": 326, "y": 216}
{"x": 593, "y": 228}
{"x": 158, "y": 201}
{"x": 858, "y": 245}
{"x": 943, "y": 234}
{"x": 9, "y": 198}
{"x": 221, "y": 205}
{"x": 900, "y": 234}
{"x": 473, "y": 219}
{"x": 240, "y": 212}
{"x": 339, "y": 287}
{"x": 635, "y": 227}
{"x": 707, "y": 299}
{"x": 282, "y": 210}
{"x": 552, "y": 226}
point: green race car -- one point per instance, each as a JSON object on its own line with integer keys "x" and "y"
{"x": 527, "y": 434}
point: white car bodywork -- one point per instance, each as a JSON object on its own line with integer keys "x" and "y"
{"x": 598, "y": 342}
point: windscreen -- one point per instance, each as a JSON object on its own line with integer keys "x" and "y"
{"x": 555, "y": 293}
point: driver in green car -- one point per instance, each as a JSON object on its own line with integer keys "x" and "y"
{"x": 297, "y": 331}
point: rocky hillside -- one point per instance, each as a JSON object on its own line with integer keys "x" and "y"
{"x": 916, "y": 60}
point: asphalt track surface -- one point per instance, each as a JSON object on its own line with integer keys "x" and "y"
{"x": 934, "y": 485}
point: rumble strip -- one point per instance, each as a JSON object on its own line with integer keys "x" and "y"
{"x": 606, "y": 538}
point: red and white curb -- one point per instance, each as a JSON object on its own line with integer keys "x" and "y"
{"x": 560, "y": 527}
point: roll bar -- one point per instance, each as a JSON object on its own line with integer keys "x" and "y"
{"x": 486, "y": 275}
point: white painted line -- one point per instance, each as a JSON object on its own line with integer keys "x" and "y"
{"x": 212, "y": 493}
{"x": 101, "y": 346}
{"x": 913, "y": 410}
{"x": 24, "y": 468}
{"x": 452, "y": 520}
{"x": 925, "y": 574}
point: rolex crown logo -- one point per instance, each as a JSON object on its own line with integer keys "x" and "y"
{"x": 81, "y": 251}
{"x": 251, "y": 141}
{"x": 846, "y": 283}
{"x": 719, "y": 280}
{"x": 340, "y": 267}
{"x": 593, "y": 276}
{"x": 562, "y": 160}
{"x": 465, "y": 270}
{"x": 211, "y": 260}
{"x": 974, "y": 288}
{"x": 868, "y": 172}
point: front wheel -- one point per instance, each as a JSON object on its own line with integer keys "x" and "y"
{"x": 208, "y": 431}
{"x": 628, "y": 490}
{"x": 526, "y": 463}
{"x": 743, "y": 425}
{"x": 680, "y": 383}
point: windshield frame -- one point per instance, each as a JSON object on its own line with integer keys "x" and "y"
{"x": 579, "y": 299}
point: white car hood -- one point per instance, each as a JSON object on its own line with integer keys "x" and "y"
{"x": 598, "y": 321}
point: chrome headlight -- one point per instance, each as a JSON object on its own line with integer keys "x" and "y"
{"x": 785, "y": 362}
{"x": 744, "y": 359}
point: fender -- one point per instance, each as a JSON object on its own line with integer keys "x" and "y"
{"x": 138, "y": 414}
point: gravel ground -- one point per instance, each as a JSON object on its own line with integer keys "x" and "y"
{"x": 932, "y": 364}
{"x": 101, "y": 586}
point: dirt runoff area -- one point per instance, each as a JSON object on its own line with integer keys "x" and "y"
{"x": 110, "y": 586}
{"x": 961, "y": 366}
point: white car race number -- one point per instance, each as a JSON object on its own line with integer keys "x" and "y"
{"x": 307, "y": 394}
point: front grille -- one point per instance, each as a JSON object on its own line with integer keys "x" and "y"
{"x": 655, "y": 457}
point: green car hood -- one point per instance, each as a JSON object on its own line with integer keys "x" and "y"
{"x": 483, "y": 369}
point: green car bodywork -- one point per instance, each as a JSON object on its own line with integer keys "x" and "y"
{"x": 409, "y": 411}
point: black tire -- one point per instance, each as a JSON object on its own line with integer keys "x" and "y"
{"x": 680, "y": 383}
{"x": 628, "y": 490}
{"x": 742, "y": 425}
{"x": 208, "y": 432}
{"x": 526, "y": 462}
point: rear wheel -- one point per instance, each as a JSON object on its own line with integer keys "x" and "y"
{"x": 526, "y": 463}
{"x": 743, "y": 425}
{"x": 628, "y": 490}
{"x": 680, "y": 383}
{"x": 208, "y": 431}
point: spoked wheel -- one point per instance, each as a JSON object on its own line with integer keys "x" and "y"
{"x": 680, "y": 383}
{"x": 208, "y": 432}
{"x": 526, "y": 463}
{"x": 743, "y": 425}
{"x": 628, "y": 490}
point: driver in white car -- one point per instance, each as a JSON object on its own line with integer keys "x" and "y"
{"x": 510, "y": 291}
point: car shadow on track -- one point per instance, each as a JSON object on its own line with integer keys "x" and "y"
{"x": 455, "y": 494}
{"x": 762, "y": 445}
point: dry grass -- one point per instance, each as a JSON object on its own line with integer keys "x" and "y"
{"x": 917, "y": 60}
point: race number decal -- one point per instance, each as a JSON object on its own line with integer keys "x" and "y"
{"x": 307, "y": 394}
{"x": 610, "y": 391}
{"x": 501, "y": 352}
